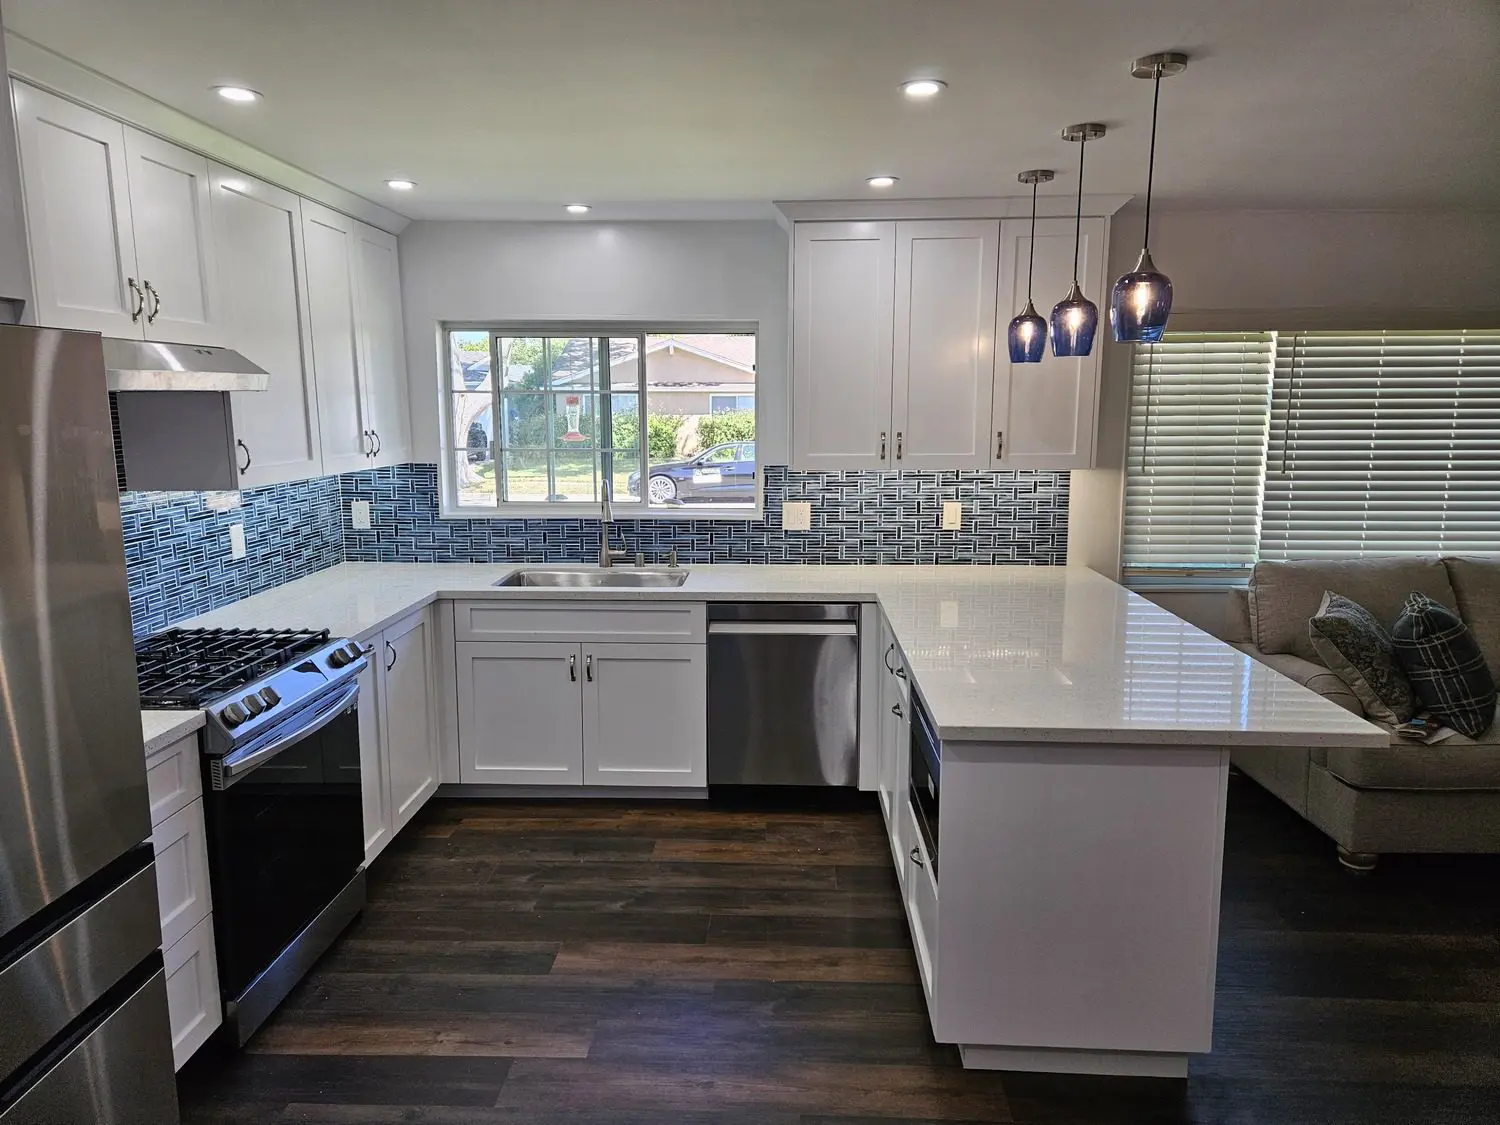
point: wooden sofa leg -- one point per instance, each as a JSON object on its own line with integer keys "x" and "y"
{"x": 1361, "y": 862}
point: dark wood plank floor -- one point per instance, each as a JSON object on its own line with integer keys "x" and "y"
{"x": 582, "y": 963}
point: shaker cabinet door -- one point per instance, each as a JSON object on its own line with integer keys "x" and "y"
{"x": 408, "y": 700}
{"x": 382, "y": 343}
{"x": 520, "y": 713}
{"x": 328, "y": 241}
{"x": 645, "y": 715}
{"x": 78, "y": 215}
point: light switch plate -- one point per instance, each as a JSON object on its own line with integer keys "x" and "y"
{"x": 359, "y": 514}
{"x": 953, "y": 515}
{"x": 796, "y": 515}
{"x": 236, "y": 540}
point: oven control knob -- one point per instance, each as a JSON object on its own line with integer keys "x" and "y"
{"x": 253, "y": 703}
{"x": 339, "y": 657}
{"x": 354, "y": 651}
{"x": 270, "y": 696}
{"x": 234, "y": 715}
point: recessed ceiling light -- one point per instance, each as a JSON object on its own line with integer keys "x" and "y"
{"x": 401, "y": 185}
{"x": 242, "y": 94}
{"x": 923, "y": 87}
{"x": 579, "y": 208}
{"x": 882, "y": 181}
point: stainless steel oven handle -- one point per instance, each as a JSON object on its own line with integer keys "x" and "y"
{"x": 237, "y": 765}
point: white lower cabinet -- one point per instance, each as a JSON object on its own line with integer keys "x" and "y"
{"x": 180, "y": 844}
{"x": 645, "y": 715}
{"x": 400, "y": 758}
{"x": 193, "y": 1003}
{"x": 520, "y": 713}
{"x": 583, "y": 712}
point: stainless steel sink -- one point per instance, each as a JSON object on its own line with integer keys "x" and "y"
{"x": 584, "y": 578}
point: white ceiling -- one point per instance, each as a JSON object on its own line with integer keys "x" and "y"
{"x": 510, "y": 109}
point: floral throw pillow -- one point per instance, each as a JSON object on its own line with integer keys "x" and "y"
{"x": 1443, "y": 662}
{"x": 1357, "y": 649}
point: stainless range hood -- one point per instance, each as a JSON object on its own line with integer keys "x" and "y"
{"x": 144, "y": 365}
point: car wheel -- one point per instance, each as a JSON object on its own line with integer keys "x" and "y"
{"x": 663, "y": 490}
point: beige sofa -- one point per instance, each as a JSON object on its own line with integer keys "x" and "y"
{"x": 1410, "y": 797}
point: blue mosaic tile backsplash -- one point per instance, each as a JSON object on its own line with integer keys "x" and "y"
{"x": 857, "y": 517}
{"x": 177, "y": 545}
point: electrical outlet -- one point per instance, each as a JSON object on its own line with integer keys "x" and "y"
{"x": 796, "y": 515}
{"x": 359, "y": 514}
{"x": 953, "y": 515}
{"x": 236, "y": 540}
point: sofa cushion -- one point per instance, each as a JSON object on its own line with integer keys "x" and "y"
{"x": 1445, "y": 666}
{"x": 1237, "y": 617}
{"x": 1455, "y": 763}
{"x": 1476, "y": 584}
{"x": 1357, "y": 649}
{"x": 1285, "y": 595}
{"x": 1310, "y": 675}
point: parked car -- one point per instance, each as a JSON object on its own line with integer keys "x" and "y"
{"x": 722, "y": 474}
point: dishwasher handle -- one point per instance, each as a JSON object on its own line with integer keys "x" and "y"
{"x": 783, "y": 628}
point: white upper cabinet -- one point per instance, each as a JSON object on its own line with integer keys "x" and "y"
{"x": 78, "y": 214}
{"x": 382, "y": 343}
{"x": 899, "y": 360}
{"x": 174, "y": 241}
{"x": 328, "y": 240}
{"x": 1044, "y": 414}
{"x": 945, "y": 343}
{"x": 258, "y": 229}
{"x": 842, "y": 313}
{"x": 354, "y": 294}
{"x": 120, "y": 222}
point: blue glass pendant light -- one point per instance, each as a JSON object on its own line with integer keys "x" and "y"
{"x": 1075, "y": 317}
{"x": 1141, "y": 300}
{"x": 1027, "y": 335}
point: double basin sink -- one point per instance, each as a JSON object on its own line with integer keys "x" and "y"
{"x": 594, "y": 578}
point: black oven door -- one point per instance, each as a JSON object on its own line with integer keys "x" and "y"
{"x": 285, "y": 823}
{"x": 926, "y": 778}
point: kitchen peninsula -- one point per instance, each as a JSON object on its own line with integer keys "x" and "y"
{"x": 1083, "y": 735}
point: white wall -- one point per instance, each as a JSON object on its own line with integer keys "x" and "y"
{"x": 592, "y": 271}
{"x": 1283, "y": 270}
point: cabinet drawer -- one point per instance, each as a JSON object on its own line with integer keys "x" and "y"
{"x": 192, "y": 990}
{"x": 922, "y": 911}
{"x": 173, "y": 778}
{"x": 181, "y": 848}
{"x": 657, "y": 622}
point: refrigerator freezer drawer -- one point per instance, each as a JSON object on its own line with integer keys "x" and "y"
{"x": 124, "y": 1068}
{"x": 53, "y": 982}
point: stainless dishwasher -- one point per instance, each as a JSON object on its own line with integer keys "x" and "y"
{"x": 783, "y": 694}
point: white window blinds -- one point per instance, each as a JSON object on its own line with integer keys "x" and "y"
{"x": 1383, "y": 443}
{"x": 1197, "y": 451}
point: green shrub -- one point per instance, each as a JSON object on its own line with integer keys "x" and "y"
{"x": 732, "y": 425}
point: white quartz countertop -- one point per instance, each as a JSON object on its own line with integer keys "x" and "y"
{"x": 998, "y": 653}
{"x": 162, "y": 728}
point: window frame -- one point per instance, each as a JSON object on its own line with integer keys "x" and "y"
{"x": 448, "y": 451}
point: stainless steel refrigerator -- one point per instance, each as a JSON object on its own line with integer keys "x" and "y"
{"x": 84, "y": 1035}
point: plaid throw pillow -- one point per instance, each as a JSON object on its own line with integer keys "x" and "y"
{"x": 1444, "y": 664}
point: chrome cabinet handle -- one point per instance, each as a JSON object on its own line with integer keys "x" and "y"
{"x": 245, "y": 468}
{"x": 392, "y": 649}
{"x": 901, "y": 673}
{"x": 588, "y": 667}
{"x": 889, "y": 667}
{"x": 882, "y": 445}
{"x": 999, "y": 444}
{"x": 896, "y": 710}
{"x": 573, "y": 668}
{"x": 367, "y": 443}
{"x": 140, "y": 300}
{"x": 379, "y": 445}
{"x": 155, "y": 303}
{"x": 916, "y": 856}
{"x": 900, "y": 442}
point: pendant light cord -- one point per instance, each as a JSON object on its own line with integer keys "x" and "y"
{"x": 1078, "y": 216}
{"x": 1151, "y": 160}
{"x": 1031, "y": 264}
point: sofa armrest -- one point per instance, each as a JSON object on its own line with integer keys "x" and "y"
{"x": 1310, "y": 675}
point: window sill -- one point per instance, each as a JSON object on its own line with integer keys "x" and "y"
{"x": 620, "y": 514}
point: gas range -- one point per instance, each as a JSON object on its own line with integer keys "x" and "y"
{"x": 253, "y": 683}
